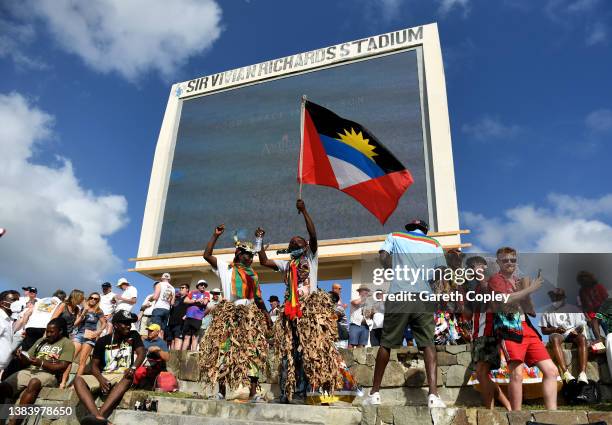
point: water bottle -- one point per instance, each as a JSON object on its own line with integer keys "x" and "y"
{"x": 258, "y": 243}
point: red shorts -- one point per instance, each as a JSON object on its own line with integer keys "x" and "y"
{"x": 530, "y": 351}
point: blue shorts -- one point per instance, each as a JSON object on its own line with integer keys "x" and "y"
{"x": 358, "y": 334}
{"x": 160, "y": 316}
{"x": 80, "y": 338}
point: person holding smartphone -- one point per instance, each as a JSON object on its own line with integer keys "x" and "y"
{"x": 44, "y": 362}
{"x": 565, "y": 323}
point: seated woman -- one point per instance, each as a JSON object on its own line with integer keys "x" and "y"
{"x": 45, "y": 361}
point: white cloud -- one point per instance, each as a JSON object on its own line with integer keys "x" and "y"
{"x": 132, "y": 37}
{"x": 12, "y": 37}
{"x": 597, "y": 34}
{"x": 487, "y": 128}
{"x": 390, "y": 9}
{"x": 574, "y": 14}
{"x": 56, "y": 229}
{"x": 446, "y": 6}
{"x": 564, "y": 224}
{"x": 581, "y": 5}
{"x": 599, "y": 121}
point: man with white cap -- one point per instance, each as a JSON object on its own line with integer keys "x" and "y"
{"x": 128, "y": 297}
{"x": 197, "y": 301}
{"x": 163, "y": 299}
{"x": 359, "y": 330}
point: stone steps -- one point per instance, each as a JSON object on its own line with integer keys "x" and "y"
{"x": 130, "y": 417}
{"x": 260, "y": 412}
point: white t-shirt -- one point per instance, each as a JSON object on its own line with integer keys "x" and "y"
{"x": 274, "y": 314}
{"x": 42, "y": 312}
{"x": 6, "y": 339}
{"x": 224, "y": 271}
{"x": 105, "y": 303}
{"x": 148, "y": 301}
{"x": 313, "y": 263}
{"x": 166, "y": 291}
{"x": 19, "y": 307}
{"x": 568, "y": 317}
{"x": 130, "y": 292}
{"x": 369, "y": 305}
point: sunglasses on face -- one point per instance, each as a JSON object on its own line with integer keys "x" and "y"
{"x": 508, "y": 260}
{"x": 94, "y": 298}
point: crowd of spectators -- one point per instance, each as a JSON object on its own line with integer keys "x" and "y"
{"x": 114, "y": 349}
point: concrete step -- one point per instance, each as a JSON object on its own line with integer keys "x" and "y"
{"x": 131, "y": 417}
{"x": 260, "y": 412}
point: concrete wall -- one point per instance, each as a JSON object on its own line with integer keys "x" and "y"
{"x": 404, "y": 381}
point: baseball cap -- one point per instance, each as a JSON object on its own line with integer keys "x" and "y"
{"x": 30, "y": 289}
{"x": 122, "y": 281}
{"x": 166, "y": 276}
{"x": 417, "y": 224}
{"x": 154, "y": 327}
{"x": 273, "y": 298}
{"x": 364, "y": 288}
{"x": 106, "y": 285}
{"x": 202, "y": 282}
{"x": 215, "y": 291}
{"x": 124, "y": 316}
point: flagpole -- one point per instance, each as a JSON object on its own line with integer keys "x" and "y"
{"x": 302, "y": 111}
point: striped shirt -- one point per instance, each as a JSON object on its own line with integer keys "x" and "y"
{"x": 416, "y": 252}
{"x": 482, "y": 319}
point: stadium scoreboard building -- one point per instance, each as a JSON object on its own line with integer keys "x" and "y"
{"x": 229, "y": 145}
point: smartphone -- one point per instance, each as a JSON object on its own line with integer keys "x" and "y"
{"x": 539, "y": 273}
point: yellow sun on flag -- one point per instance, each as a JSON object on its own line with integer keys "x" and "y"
{"x": 357, "y": 141}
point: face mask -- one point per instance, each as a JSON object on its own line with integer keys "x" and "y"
{"x": 557, "y": 304}
{"x": 16, "y": 307}
{"x": 296, "y": 253}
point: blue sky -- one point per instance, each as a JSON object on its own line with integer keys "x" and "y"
{"x": 529, "y": 97}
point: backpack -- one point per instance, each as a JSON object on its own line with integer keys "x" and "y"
{"x": 166, "y": 382}
{"x": 575, "y": 392}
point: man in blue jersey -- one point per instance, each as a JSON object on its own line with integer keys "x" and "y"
{"x": 412, "y": 255}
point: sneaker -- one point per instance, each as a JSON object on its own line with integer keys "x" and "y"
{"x": 372, "y": 400}
{"x": 257, "y": 399}
{"x": 567, "y": 376}
{"x": 218, "y": 396}
{"x": 583, "y": 378}
{"x": 434, "y": 401}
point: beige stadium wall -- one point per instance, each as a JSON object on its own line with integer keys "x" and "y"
{"x": 338, "y": 259}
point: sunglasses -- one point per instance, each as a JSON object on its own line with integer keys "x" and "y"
{"x": 94, "y": 298}
{"x": 508, "y": 260}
